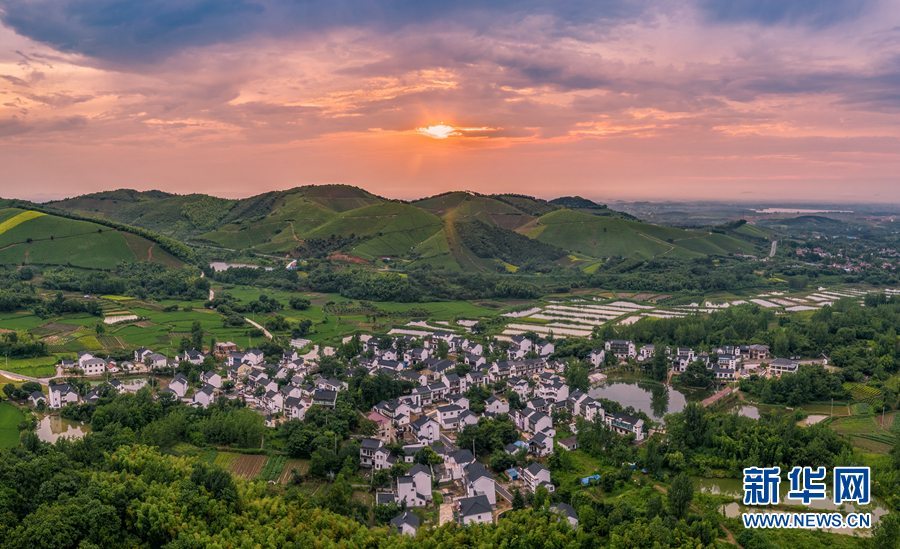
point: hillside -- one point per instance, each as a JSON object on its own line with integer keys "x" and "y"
{"x": 30, "y": 237}
{"x": 605, "y": 236}
{"x": 455, "y": 231}
{"x": 584, "y": 205}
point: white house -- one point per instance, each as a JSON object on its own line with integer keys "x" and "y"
{"x": 448, "y": 416}
{"x": 621, "y": 348}
{"x": 179, "y": 385}
{"x": 211, "y": 378}
{"x": 597, "y": 357}
{"x": 494, "y": 405}
{"x": 426, "y": 430}
{"x": 474, "y": 509}
{"x": 156, "y": 360}
{"x": 625, "y": 424}
{"x": 406, "y": 523}
{"x": 537, "y": 475}
{"x": 205, "y": 396}
{"x": 36, "y": 397}
{"x": 415, "y": 487}
{"x": 62, "y": 395}
{"x": 479, "y": 482}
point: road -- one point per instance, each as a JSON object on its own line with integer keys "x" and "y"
{"x": 448, "y": 443}
{"x": 266, "y": 332}
{"x": 774, "y": 247}
{"x": 15, "y": 377}
{"x": 502, "y": 491}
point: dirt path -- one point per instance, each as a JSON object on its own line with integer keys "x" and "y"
{"x": 293, "y": 232}
{"x": 150, "y": 252}
{"x": 266, "y": 332}
{"x": 445, "y": 514}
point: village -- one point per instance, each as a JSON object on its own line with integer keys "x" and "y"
{"x": 435, "y": 411}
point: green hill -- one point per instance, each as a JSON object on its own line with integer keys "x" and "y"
{"x": 31, "y": 237}
{"x": 605, "y": 236}
{"x": 584, "y": 205}
{"x": 459, "y": 205}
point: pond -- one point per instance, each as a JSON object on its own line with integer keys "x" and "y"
{"x": 51, "y": 428}
{"x": 224, "y": 265}
{"x": 652, "y": 398}
{"x": 735, "y": 488}
{"x": 811, "y": 420}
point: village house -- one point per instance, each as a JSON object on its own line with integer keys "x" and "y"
{"x": 475, "y": 509}
{"x": 205, "y": 396}
{"x": 479, "y": 482}
{"x": 537, "y": 475}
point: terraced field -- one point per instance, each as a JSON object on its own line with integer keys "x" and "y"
{"x": 248, "y": 466}
{"x": 28, "y": 237}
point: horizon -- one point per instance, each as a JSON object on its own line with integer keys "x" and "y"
{"x": 693, "y": 100}
{"x": 830, "y": 207}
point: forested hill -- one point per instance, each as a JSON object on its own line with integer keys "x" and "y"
{"x": 454, "y": 231}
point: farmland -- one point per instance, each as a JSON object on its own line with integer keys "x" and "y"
{"x": 29, "y": 237}
{"x": 301, "y": 466}
{"x": 10, "y": 417}
{"x": 248, "y": 466}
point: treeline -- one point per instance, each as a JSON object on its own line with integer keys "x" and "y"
{"x": 492, "y": 242}
{"x": 809, "y": 384}
{"x": 140, "y": 279}
{"x": 170, "y": 245}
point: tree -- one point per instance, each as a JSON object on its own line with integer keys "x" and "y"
{"x": 9, "y": 390}
{"x": 540, "y": 497}
{"x": 443, "y": 349}
{"x": 518, "y": 502}
{"x": 367, "y": 427}
{"x": 577, "y": 375}
{"x": 259, "y": 391}
{"x": 427, "y": 456}
{"x": 299, "y": 303}
{"x": 681, "y": 494}
{"x": 660, "y": 364}
{"x": 886, "y": 533}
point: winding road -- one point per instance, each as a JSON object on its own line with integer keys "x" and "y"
{"x": 268, "y": 335}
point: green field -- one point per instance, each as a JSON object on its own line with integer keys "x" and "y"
{"x": 28, "y": 237}
{"x": 606, "y": 236}
{"x": 10, "y": 417}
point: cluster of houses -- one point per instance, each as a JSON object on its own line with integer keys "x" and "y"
{"x": 725, "y": 362}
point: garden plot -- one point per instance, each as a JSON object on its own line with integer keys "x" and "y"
{"x": 665, "y": 314}
{"x": 738, "y": 302}
{"x": 287, "y": 473}
{"x": 248, "y": 466}
{"x": 628, "y": 305}
{"x": 418, "y": 333}
{"x": 764, "y": 303}
{"x": 514, "y": 329}
{"x": 115, "y": 319}
{"x": 797, "y": 308}
{"x": 595, "y": 309}
{"x": 783, "y": 302}
{"x": 629, "y": 320}
{"x": 424, "y": 324}
{"x": 820, "y": 297}
{"x": 521, "y": 314}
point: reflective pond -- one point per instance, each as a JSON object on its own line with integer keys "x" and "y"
{"x": 51, "y": 428}
{"x": 654, "y": 399}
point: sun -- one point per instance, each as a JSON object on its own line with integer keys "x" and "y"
{"x": 441, "y": 131}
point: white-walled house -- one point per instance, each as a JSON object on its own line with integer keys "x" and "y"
{"x": 426, "y": 430}
{"x": 415, "y": 487}
{"x": 179, "y": 385}
{"x": 479, "y": 482}
{"x": 537, "y": 475}
{"x": 212, "y": 378}
{"x": 475, "y": 509}
{"x": 205, "y": 396}
{"x": 62, "y": 395}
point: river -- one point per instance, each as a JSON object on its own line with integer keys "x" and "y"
{"x": 51, "y": 428}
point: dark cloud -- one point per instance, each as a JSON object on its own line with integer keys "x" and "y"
{"x": 124, "y": 31}
{"x": 815, "y": 13}
{"x": 14, "y": 80}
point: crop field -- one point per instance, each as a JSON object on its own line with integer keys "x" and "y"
{"x": 225, "y": 460}
{"x": 867, "y": 432}
{"x": 272, "y": 469}
{"x": 248, "y": 466}
{"x": 825, "y": 409}
{"x": 861, "y": 392}
{"x": 90, "y": 343}
{"x": 10, "y": 417}
{"x": 287, "y": 472}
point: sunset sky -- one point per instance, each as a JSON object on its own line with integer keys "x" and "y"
{"x": 713, "y": 99}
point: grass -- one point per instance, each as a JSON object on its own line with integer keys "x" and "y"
{"x": 225, "y": 460}
{"x": 10, "y": 417}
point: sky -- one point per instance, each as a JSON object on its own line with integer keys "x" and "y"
{"x": 733, "y": 100}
